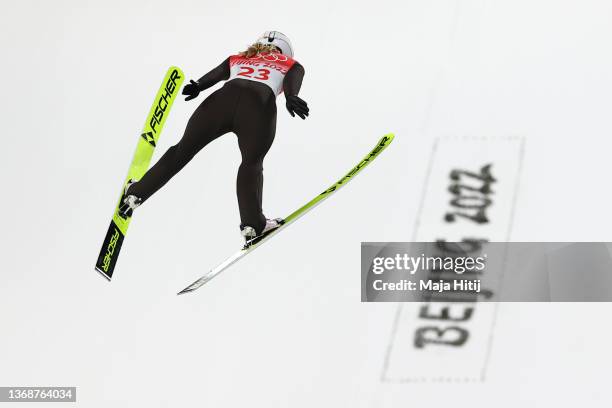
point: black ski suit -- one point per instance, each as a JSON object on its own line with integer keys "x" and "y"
{"x": 244, "y": 107}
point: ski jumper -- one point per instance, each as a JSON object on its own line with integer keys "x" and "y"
{"x": 246, "y": 106}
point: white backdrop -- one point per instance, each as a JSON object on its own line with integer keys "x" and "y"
{"x": 285, "y": 327}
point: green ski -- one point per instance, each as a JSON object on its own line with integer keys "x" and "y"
{"x": 140, "y": 164}
{"x": 256, "y": 242}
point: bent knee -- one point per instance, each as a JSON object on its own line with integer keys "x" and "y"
{"x": 252, "y": 162}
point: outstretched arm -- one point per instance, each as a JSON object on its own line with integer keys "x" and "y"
{"x": 291, "y": 86}
{"x": 293, "y": 80}
{"x": 218, "y": 74}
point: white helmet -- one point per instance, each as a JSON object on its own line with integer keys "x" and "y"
{"x": 277, "y": 39}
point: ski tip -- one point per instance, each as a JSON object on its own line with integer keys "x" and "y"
{"x": 388, "y": 138}
{"x": 174, "y": 68}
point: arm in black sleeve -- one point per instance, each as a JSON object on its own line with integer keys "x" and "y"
{"x": 291, "y": 86}
{"x": 293, "y": 80}
{"x": 218, "y": 74}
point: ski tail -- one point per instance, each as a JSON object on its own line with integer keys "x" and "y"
{"x": 147, "y": 141}
{"x": 110, "y": 249}
{"x": 380, "y": 146}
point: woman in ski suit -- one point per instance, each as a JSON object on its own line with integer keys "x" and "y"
{"x": 245, "y": 105}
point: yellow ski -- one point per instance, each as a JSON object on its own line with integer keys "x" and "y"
{"x": 256, "y": 242}
{"x": 147, "y": 141}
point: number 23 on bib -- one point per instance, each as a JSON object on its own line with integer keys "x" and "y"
{"x": 268, "y": 68}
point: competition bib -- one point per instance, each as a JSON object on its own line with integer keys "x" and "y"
{"x": 269, "y": 68}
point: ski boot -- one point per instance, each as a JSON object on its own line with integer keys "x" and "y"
{"x": 250, "y": 235}
{"x": 128, "y": 202}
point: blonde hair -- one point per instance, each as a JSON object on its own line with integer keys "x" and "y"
{"x": 258, "y": 48}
